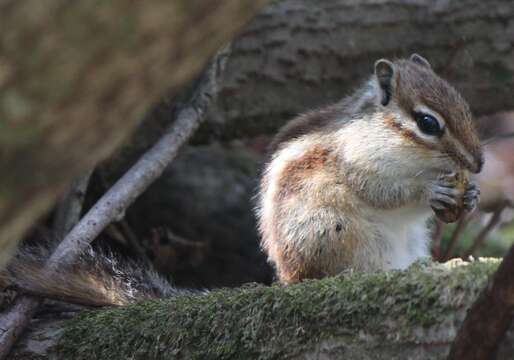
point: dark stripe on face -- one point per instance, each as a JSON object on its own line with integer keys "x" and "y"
{"x": 407, "y": 133}
{"x": 419, "y": 85}
{"x": 459, "y": 158}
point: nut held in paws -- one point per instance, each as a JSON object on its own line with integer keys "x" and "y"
{"x": 453, "y": 213}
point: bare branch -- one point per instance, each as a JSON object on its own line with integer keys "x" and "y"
{"x": 18, "y": 317}
{"x": 15, "y": 321}
{"x": 461, "y": 224}
{"x": 491, "y": 224}
{"x": 489, "y": 317}
{"x": 122, "y": 230}
{"x": 113, "y": 204}
{"x": 49, "y": 80}
{"x": 148, "y": 168}
{"x": 437, "y": 233}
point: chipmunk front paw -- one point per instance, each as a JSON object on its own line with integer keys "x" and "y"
{"x": 444, "y": 192}
{"x": 471, "y": 196}
{"x": 451, "y": 195}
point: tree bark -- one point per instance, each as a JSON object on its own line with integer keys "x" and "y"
{"x": 489, "y": 318}
{"x": 76, "y": 77}
{"x": 301, "y": 54}
{"x": 411, "y": 314}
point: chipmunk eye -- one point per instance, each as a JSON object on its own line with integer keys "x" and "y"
{"x": 428, "y": 124}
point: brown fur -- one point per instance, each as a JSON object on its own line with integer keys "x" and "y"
{"x": 308, "y": 123}
{"x": 293, "y": 268}
{"x": 320, "y": 120}
{"x": 419, "y": 84}
{"x": 292, "y": 264}
{"x": 93, "y": 280}
{"x": 297, "y": 171}
{"x": 317, "y": 220}
{"x": 414, "y": 83}
{"x": 407, "y": 134}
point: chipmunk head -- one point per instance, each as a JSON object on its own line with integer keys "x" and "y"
{"x": 425, "y": 110}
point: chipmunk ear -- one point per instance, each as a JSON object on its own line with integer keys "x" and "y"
{"x": 384, "y": 71}
{"x": 420, "y": 60}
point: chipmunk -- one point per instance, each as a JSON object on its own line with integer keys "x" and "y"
{"x": 354, "y": 185}
{"x": 351, "y": 186}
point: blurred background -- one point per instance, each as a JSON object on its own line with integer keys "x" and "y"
{"x": 196, "y": 223}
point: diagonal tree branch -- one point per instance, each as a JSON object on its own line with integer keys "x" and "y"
{"x": 14, "y": 321}
{"x": 113, "y": 204}
{"x": 76, "y": 82}
{"x": 147, "y": 169}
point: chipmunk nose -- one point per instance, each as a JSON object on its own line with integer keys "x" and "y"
{"x": 478, "y": 163}
{"x": 475, "y": 162}
{"x": 473, "y": 159}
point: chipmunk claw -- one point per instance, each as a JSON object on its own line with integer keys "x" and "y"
{"x": 471, "y": 196}
{"x": 443, "y": 193}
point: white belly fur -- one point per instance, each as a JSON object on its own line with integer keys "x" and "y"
{"x": 402, "y": 234}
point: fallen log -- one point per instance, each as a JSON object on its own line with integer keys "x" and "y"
{"x": 412, "y": 314}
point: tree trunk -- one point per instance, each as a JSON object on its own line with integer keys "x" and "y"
{"x": 410, "y": 314}
{"x": 76, "y": 77}
{"x": 301, "y": 54}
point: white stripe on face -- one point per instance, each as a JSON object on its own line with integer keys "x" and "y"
{"x": 420, "y": 108}
{"x": 452, "y": 139}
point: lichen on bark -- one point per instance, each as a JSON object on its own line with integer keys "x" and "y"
{"x": 388, "y": 312}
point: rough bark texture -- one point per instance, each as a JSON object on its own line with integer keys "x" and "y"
{"x": 301, "y": 54}
{"x": 410, "y": 314}
{"x": 14, "y": 322}
{"x": 489, "y": 318}
{"x": 75, "y": 77}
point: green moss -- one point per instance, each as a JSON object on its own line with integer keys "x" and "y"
{"x": 270, "y": 322}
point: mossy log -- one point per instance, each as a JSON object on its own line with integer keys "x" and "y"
{"x": 77, "y": 76}
{"x": 411, "y": 314}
